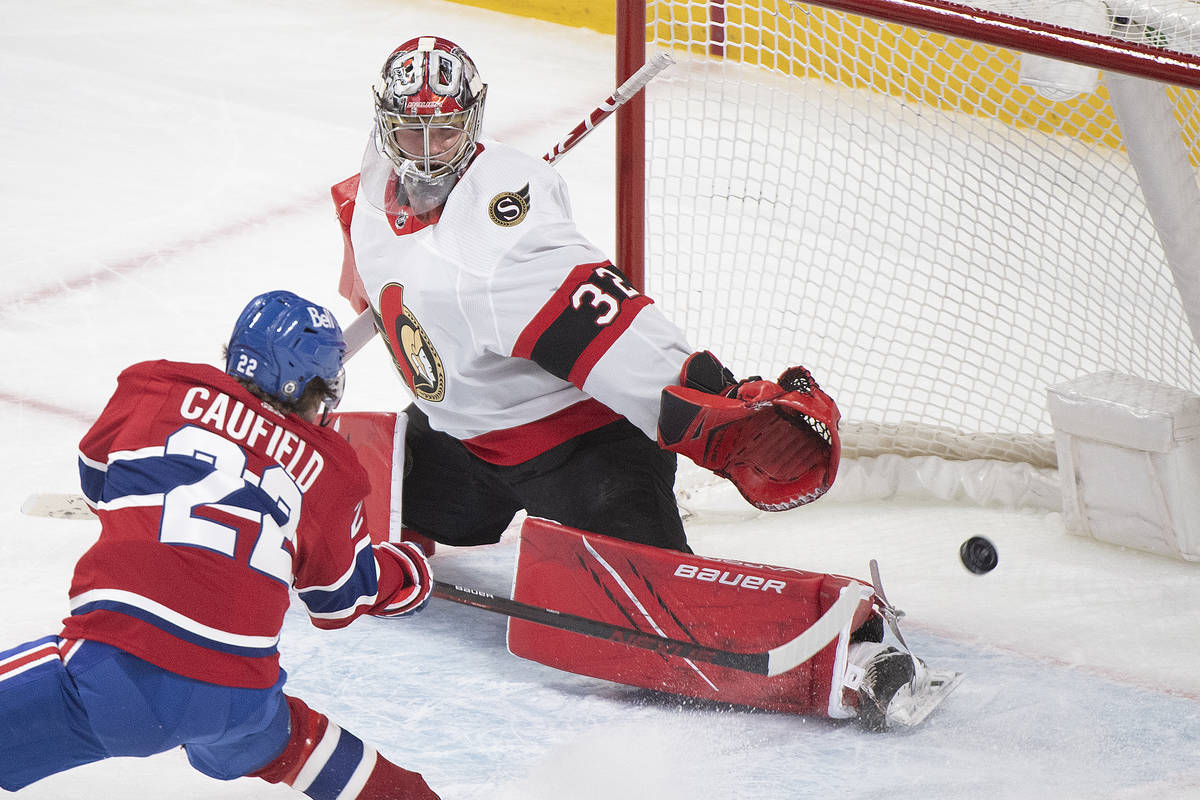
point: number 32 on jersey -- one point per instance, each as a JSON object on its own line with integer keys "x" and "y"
{"x": 590, "y": 310}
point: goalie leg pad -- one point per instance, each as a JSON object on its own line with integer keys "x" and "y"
{"x": 377, "y": 438}
{"x": 719, "y": 603}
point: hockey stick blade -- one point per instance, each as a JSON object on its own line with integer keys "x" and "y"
{"x": 915, "y": 701}
{"x": 57, "y": 506}
{"x": 770, "y": 663}
{"x": 891, "y": 614}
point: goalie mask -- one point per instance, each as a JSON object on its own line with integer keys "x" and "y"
{"x": 428, "y": 110}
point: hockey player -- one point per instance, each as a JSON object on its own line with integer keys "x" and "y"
{"x": 217, "y": 492}
{"x": 542, "y": 378}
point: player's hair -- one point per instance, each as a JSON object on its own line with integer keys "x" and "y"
{"x": 308, "y": 404}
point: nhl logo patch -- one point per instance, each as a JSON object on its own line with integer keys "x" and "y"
{"x": 509, "y": 208}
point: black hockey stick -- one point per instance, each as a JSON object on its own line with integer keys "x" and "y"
{"x": 775, "y": 661}
{"x": 746, "y": 662}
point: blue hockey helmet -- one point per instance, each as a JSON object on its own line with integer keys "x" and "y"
{"x": 282, "y": 341}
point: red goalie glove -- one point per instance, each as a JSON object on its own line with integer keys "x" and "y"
{"x": 776, "y": 441}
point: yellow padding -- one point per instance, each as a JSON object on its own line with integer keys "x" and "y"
{"x": 846, "y": 49}
{"x": 600, "y": 16}
{"x": 916, "y": 66}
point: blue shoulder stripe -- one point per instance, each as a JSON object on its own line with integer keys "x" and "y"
{"x": 91, "y": 481}
{"x": 155, "y": 475}
{"x": 152, "y": 475}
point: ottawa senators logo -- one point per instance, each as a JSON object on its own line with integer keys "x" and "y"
{"x": 413, "y": 354}
{"x": 509, "y": 208}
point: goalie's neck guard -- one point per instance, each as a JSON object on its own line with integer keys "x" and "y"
{"x": 403, "y": 190}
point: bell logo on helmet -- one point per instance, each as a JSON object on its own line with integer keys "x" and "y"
{"x": 321, "y": 318}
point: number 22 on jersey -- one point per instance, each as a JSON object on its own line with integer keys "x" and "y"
{"x": 276, "y": 535}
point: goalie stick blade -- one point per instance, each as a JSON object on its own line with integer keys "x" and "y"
{"x": 57, "y": 506}
{"x": 913, "y": 703}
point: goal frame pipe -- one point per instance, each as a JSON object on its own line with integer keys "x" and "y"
{"x": 1156, "y": 149}
{"x": 957, "y": 20}
{"x": 1030, "y": 36}
{"x": 631, "y": 146}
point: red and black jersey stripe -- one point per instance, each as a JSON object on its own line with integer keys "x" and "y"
{"x": 588, "y": 312}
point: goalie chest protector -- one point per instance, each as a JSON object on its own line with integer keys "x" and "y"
{"x": 725, "y": 604}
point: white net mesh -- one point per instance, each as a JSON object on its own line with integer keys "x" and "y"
{"x": 890, "y": 208}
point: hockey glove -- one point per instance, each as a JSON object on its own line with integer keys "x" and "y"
{"x": 416, "y": 584}
{"x": 776, "y": 441}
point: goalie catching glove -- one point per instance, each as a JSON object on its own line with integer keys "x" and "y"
{"x": 776, "y": 441}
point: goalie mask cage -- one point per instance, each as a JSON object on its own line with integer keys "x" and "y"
{"x": 941, "y": 210}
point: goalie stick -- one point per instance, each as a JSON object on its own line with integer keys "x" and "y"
{"x": 776, "y": 661}
{"x": 622, "y": 95}
{"x": 362, "y": 329}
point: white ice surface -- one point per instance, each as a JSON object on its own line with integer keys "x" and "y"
{"x": 162, "y": 162}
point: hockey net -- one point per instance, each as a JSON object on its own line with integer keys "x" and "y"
{"x": 940, "y": 226}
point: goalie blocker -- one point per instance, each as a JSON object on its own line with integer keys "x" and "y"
{"x": 718, "y": 603}
{"x": 776, "y": 441}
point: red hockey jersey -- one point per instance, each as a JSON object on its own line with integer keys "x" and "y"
{"x": 213, "y": 506}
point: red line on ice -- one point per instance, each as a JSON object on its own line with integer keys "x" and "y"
{"x": 124, "y": 267}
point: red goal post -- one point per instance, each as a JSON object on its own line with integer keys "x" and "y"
{"x": 943, "y": 210}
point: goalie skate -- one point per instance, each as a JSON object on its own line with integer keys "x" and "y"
{"x": 916, "y": 699}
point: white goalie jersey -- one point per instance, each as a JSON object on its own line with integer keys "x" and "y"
{"x": 513, "y": 331}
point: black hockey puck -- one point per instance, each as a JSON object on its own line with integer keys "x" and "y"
{"x": 978, "y": 555}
